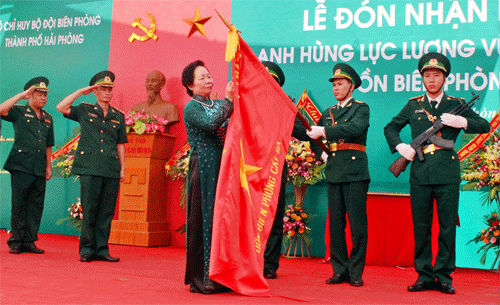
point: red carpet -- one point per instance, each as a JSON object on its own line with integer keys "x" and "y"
{"x": 155, "y": 276}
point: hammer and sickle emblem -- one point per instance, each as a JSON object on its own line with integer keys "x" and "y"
{"x": 149, "y": 33}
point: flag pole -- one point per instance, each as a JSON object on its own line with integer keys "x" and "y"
{"x": 299, "y": 115}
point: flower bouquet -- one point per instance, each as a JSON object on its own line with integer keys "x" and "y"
{"x": 177, "y": 168}
{"x": 75, "y": 216}
{"x": 482, "y": 171}
{"x": 295, "y": 228}
{"x": 65, "y": 155}
{"x": 490, "y": 237}
{"x": 302, "y": 170}
{"x": 140, "y": 122}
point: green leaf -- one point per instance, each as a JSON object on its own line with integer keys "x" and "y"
{"x": 469, "y": 186}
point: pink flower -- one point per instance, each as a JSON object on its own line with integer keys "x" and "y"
{"x": 493, "y": 240}
{"x": 148, "y": 128}
{"x": 285, "y": 219}
{"x": 129, "y": 121}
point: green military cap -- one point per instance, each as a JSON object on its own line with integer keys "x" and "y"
{"x": 342, "y": 70}
{"x": 39, "y": 82}
{"x": 275, "y": 71}
{"x": 103, "y": 78}
{"x": 434, "y": 60}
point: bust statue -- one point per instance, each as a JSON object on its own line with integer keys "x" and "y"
{"x": 155, "y": 81}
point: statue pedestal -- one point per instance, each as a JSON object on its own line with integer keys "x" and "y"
{"x": 143, "y": 195}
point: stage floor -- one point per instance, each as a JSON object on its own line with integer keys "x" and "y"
{"x": 156, "y": 276}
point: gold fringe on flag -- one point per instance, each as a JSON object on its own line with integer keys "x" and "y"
{"x": 233, "y": 40}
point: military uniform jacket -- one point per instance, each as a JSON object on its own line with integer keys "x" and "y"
{"x": 97, "y": 153}
{"x": 441, "y": 166}
{"x": 31, "y": 138}
{"x": 348, "y": 125}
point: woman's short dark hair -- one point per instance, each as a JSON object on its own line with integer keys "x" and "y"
{"x": 188, "y": 75}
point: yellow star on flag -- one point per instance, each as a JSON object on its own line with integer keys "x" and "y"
{"x": 245, "y": 171}
{"x": 197, "y": 23}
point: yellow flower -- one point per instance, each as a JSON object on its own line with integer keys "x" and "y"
{"x": 301, "y": 230}
{"x": 494, "y": 215}
{"x": 486, "y": 240}
{"x": 291, "y": 233}
{"x": 496, "y": 232}
{"x": 304, "y": 215}
{"x": 309, "y": 159}
{"x": 295, "y": 166}
{"x": 298, "y": 218}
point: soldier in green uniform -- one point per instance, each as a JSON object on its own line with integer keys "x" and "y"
{"x": 29, "y": 162}
{"x": 438, "y": 176}
{"x": 345, "y": 127}
{"x": 99, "y": 161}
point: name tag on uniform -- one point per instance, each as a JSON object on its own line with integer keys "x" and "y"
{"x": 117, "y": 122}
{"x": 92, "y": 114}
{"x": 419, "y": 111}
{"x": 29, "y": 115}
{"x": 47, "y": 121}
{"x": 328, "y": 118}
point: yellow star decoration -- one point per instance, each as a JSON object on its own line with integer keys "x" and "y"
{"x": 197, "y": 23}
{"x": 245, "y": 171}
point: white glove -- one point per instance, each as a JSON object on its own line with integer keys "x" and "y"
{"x": 406, "y": 151}
{"x": 324, "y": 157}
{"x": 455, "y": 121}
{"x": 316, "y": 132}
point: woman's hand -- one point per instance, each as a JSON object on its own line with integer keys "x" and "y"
{"x": 230, "y": 91}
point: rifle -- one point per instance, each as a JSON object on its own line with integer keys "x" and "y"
{"x": 308, "y": 127}
{"x": 430, "y": 135}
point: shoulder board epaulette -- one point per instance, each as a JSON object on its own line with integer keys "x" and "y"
{"x": 46, "y": 113}
{"x": 84, "y": 103}
{"x": 20, "y": 105}
{"x": 417, "y": 97}
{"x": 332, "y": 107}
{"x": 358, "y": 102}
{"x": 121, "y": 111}
{"x": 456, "y": 98}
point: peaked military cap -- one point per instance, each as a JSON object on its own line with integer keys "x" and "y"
{"x": 342, "y": 70}
{"x": 434, "y": 60}
{"x": 275, "y": 71}
{"x": 39, "y": 82}
{"x": 103, "y": 78}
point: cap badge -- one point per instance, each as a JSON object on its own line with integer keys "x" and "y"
{"x": 107, "y": 79}
{"x": 42, "y": 84}
{"x": 337, "y": 72}
{"x": 433, "y": 62}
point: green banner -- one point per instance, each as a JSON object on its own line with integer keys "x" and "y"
{"x": 383, "y": 43}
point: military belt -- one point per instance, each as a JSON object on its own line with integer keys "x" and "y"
{"x": 346, "y": 146}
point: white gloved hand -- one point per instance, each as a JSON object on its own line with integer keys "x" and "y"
{"x": 452, "y": 120}
{"x": 316, "y": 132}
{"x": 406, "y": 151}
{"x": 324, "y": 157}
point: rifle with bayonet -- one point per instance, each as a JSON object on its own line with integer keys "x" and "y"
{"x": 430, "y": 135}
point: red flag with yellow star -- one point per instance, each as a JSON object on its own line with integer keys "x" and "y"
{"x": 256, "y": 144}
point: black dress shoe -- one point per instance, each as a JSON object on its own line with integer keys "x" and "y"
{"x": 106, "y": 258}
{"x": 338, "y": 279}
{"x": 86, "y": 258}
{"x": 445, "y": 288}
{"x": 15, "y": 250}
{"x": 357, "y": 283}
{"x": 32, "y": 249}
{"x": 270, "y": 274}
{"x": 421, "y": 286}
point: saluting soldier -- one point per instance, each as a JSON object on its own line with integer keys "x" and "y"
{"x": 345, "y": 127}
{"x": 99, "y": 161}
{"x": 29, "y": 162}
{"x": 438, "y": 176}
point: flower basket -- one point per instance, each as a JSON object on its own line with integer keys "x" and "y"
{"x": 482, "y": 171}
